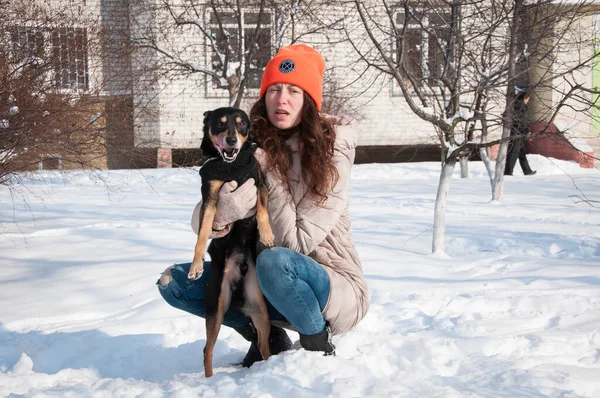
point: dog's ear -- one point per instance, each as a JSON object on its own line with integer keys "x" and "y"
{"x": 250, "y": 133}
{"x": 206, "y": 146}
{"x": 206, "y": 126}
{"x": 249, "y": 129}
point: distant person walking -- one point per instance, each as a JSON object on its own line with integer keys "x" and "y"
{"x": 519, "y": 128}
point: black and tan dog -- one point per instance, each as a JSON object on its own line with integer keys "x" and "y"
{"x": 228, "y": 145}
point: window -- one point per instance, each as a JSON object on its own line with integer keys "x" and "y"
{"x": 254, "y": 37}
{"x": 425, "y": 44}
{"x": 50, "y": 162}
{"x": 69, "y": 47}
{"x": 63, "y": 51}
{"x": 27, "y": 44}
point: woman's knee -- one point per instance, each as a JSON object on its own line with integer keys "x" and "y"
{"x": 165, "y": 278}
{"x": 170, "y": 284}
{"x": 271, "y": 263}
{"x": 165, "y": 286}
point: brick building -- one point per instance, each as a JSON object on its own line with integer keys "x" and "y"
{"x": 156, "y": 117}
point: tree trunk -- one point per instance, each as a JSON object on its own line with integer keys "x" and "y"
{"x": 488, "y": 165}
{"x": 498, "y": 182}
{"x": 498, "y": 186}
{"x": 464, "y": 167}
{"x": 235, "y": 96}
{"x": 439, "y": 215}
{"x": 483, "y": 152}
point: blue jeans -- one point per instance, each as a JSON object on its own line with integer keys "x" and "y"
{"x": 296, "y": 288}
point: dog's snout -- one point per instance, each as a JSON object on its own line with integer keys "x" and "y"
{"x": 231, "y": 140}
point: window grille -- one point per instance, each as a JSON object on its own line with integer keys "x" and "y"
{"x": 61, "y": 51}
{"x": 254, "y": 37}
{"x": 425, "y": 44}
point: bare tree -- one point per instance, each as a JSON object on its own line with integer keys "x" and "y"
{"x": 226, "y": 42}
{"x": 457, "y": 63}
{"x": 48, "y": 117}
{"x": 549, "y": 55}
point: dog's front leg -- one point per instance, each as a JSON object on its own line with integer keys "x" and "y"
{"x": 265, "y": 232}
{"x": 207, "y": 216}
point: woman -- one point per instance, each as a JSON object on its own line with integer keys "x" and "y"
{"x": 312, "y": 279}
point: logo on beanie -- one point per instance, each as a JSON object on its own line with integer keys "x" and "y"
{"x": 287, "y": 66}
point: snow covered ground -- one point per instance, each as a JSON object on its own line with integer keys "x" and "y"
{"x": 512, "y": 310}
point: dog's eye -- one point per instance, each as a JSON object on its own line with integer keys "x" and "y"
{"x": 242, "y": 123}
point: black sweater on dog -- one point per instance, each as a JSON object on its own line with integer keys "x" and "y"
{"x": 244, "y": 166}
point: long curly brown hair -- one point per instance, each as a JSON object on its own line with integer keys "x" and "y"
{"x": 317, "y": 138}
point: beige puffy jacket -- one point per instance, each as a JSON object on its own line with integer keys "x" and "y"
{"x": 321, "y": 232}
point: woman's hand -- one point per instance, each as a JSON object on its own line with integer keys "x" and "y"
{"x": 235, "y": 203}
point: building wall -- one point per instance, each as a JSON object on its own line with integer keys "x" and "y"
{"x": 174, "y": 117}
{"x": 574, "y": 117}
{"x": 180, "y": 103}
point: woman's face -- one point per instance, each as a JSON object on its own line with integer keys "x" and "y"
{"x": 284, "y": 105}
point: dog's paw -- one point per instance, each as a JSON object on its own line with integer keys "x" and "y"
{"x": 268, "y": 240}
{"x": 195, "y": 271}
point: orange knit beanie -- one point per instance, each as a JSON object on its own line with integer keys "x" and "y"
{"x": 300, "y": 65}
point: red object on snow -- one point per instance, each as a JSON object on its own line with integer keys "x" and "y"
{"x": 548, "y": 141}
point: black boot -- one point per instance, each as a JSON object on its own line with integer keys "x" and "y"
{"x": 319, "y": 342}
{"x": 278, "y": 342}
